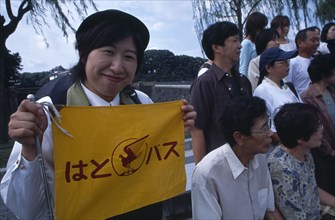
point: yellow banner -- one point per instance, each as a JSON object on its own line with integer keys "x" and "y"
{"x": 120, "y": 158}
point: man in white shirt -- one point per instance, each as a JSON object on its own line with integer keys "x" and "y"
{"x": 307, "y": 41}
{"x": 233, "y": 181}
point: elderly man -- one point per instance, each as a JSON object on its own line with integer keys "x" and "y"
{"x": 307, "y": 41}
{"x": 233, "y": 181}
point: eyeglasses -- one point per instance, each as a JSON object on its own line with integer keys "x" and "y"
{"x": 319, "y": 128}
{"x": 264, "y": 129}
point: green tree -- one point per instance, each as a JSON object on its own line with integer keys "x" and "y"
{"x": 36, "y": 12}
{"x": 326, "y": 10}
{"x": 156, "y": 65}
{"x": 187, "y": 68}
{"x": 164, "y": 66}
{"x": 33, "y": 79}
{"x": 206, "y": 12}
{"x": 209, "y": 11}
{"x": 12, "y": 68}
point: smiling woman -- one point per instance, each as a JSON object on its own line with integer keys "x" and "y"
{"x": 111, "y": 68}
{"x": 111, "y": 47}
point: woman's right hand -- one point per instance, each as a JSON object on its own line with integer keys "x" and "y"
{"x": 29, "y": 120}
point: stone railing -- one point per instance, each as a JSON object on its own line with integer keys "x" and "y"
{"x": 163, "y": 92}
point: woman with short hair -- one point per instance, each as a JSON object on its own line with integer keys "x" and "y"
{"x": 111, "y": 47}
{"x": 265, "y": 39}
{"x": 321, "y": 94}
{"x": 291, "y": 165}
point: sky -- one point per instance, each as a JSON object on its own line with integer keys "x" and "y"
{"x": 170, "y": 24}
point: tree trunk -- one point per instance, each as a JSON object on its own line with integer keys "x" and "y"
{"x": 4, "y": 99}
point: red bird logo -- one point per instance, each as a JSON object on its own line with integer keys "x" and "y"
{"x": 133, "y": 151}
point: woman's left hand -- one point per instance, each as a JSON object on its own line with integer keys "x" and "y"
{"x": 189, "y": 115}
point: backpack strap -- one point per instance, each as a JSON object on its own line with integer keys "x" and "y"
{"x": 205, "y": 65}
{"x": 292, "y": 88}
{"x": 129, "y": 96}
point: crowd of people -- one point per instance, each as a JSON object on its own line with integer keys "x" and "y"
{"x": 295, "y": 79}
{"x": 261, "y": 116}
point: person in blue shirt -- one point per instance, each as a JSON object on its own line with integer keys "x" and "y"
{"x": 256, "y": 22}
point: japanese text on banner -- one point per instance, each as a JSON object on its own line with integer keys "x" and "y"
{"x": 119, "y": 159}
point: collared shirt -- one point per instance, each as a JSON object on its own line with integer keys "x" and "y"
{"x": 222, "y": 188}
{"x": 22, "y": 187}
{"x": 274, "y": 96}
{"x": 314, "y": 97}
{"x": 210, "y": 94}
{"x": 324, "y": 161}
{"x": 96, "y": 100}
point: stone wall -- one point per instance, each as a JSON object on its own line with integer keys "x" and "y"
{"x": 163, "y": 92}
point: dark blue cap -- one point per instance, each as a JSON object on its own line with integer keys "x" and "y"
{"x": 274, "y": 54}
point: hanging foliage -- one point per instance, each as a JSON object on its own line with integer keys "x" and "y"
{"x": 302, "y": 12}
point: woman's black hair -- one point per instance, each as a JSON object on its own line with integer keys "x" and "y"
{"x": 104, "y": 33}
{"x": 325, "y": 30}
{"x": 263, "y": 38}
{"x": 322, "y": 66}
{"x": 296, "y": 121}
{"x": 263, "y": 73}
{"x": 240, "y": 115}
